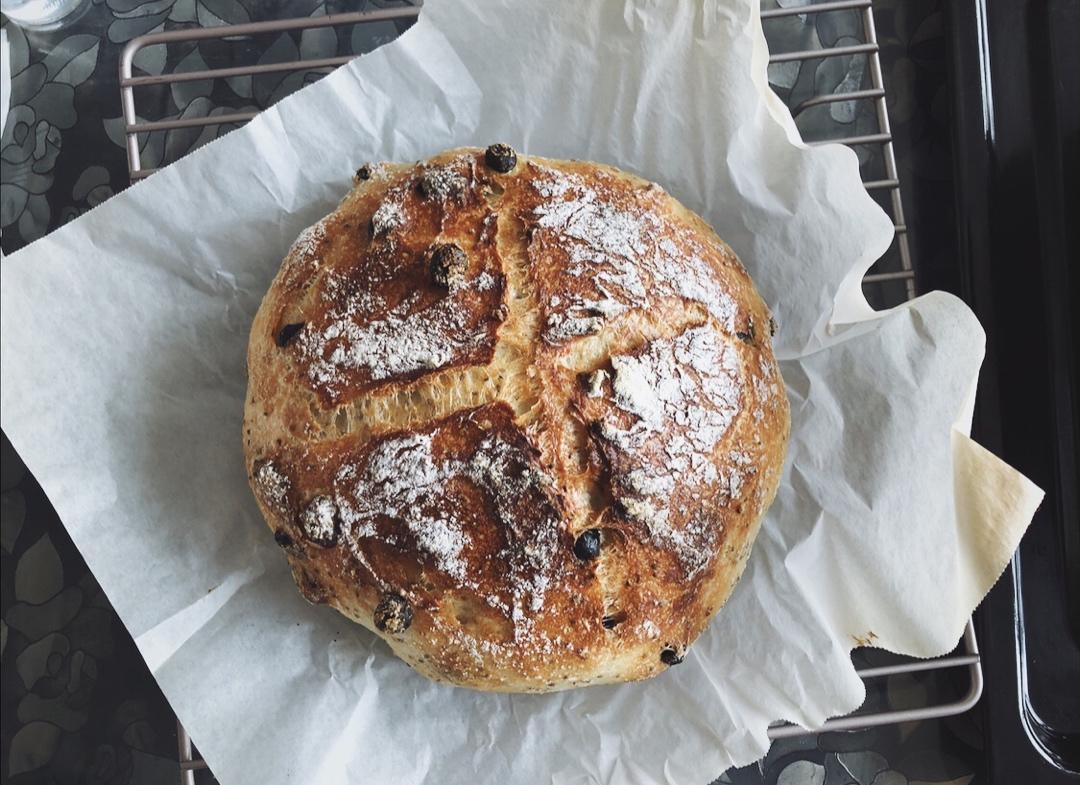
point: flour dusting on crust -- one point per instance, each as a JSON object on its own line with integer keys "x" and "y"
{"x": 317, "y": 519}
{"x": 444, "y": 182}
{"x": 272, "y": 485}
{"x": 380, "y": 312}
{"x": 387, "y": 217}
{"x": 610, "y": 249}
{"x": 672, "y": 404}
{"x": 307, "y": 244}
{"x": 403, "y": 341}
{"x": 405, "y": 479}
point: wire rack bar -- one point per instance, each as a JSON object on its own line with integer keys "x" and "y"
{"x": 240, "y": 70}
{"x": 899, "y": 275}
{"x": 949, "y": 709}
{"x": 190, "y": 122}
{"x": 889, "y": 153}
{"x": 875, "y": 185}
{"x": 188, "y": 763}
{"x": 968, "y": 655}
{"x": 851, "y": 141}
{"x": 834, "y": 98}
{"x": 834, "y": 51}
{"x": 128, "y": 81}
{"x": 815, "y": 8}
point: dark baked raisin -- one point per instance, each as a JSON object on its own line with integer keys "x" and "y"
{"x": 747, "y": 336}
{"x": 387, "y": 217}
{"x": 288, "y": 333}
{"x": 773, "y": 326}
{"x": 289, "y": 544}
{"x": 319, "y": 521}
{"x": 364, "y": 172}
{"x": 441, "y": 183}
{"x": 393, "y": 614}
{"x": 587, "y": 545}
{"x": 613, "y": 620}
{"x": 670, "y": 657}
{"x": 501, "y": 157}
{"x": 448, "y": 265}
{"x": 272, "y": 486}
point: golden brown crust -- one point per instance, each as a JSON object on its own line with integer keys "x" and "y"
{"x": 369, "y": 293}
{"x": 524, "y": 425}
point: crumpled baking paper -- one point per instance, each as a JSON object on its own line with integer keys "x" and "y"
{"x": 124, "y": 337}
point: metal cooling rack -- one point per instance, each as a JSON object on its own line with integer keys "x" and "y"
{"x": 886, "y": 190}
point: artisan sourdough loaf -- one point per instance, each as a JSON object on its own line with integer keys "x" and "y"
{"x": 520, "y": 417}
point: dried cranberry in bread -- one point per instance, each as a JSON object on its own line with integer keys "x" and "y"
{"x": 520, "y": 417}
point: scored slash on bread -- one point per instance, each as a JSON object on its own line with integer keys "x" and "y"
{"x": 518, "y": 416}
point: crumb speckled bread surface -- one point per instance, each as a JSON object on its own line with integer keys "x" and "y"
{"x": 521, "y": 417}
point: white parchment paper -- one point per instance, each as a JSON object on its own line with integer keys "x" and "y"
{"x": 124, "y": 336}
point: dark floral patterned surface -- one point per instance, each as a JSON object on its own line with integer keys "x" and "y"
{"x": 79, "y": 705}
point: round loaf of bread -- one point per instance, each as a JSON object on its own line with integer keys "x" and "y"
{"x": 520, "y": 417}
